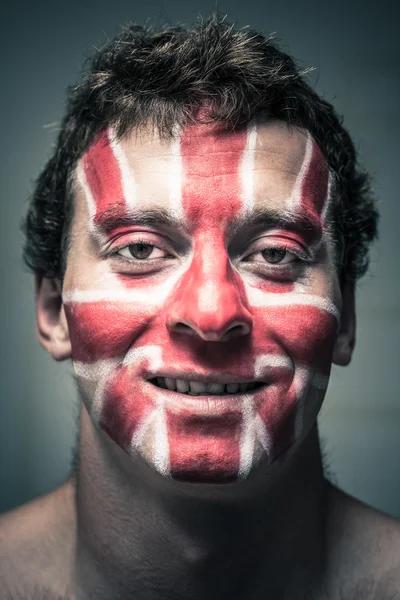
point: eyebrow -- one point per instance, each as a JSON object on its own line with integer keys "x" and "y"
{"x": 112, "y": 218}
{"x": 305, "y": 222}
{"x": 302, "y": 221}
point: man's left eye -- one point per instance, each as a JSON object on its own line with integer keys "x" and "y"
{"x": 141, "y": 251}
{"x": 273, "y": 255}
{"x": 280, "y": 256}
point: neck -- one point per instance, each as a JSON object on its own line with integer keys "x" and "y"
{"x": 143, "y": 535}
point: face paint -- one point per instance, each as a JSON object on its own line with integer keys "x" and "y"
{"x": 210, "y": 314}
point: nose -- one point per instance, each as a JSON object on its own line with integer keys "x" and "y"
{"x": 210, "y": 302}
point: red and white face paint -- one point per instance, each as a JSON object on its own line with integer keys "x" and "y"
{"x": 235, "y": 285}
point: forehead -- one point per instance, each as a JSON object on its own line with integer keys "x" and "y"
{"x": 205, "y": 168}
{"x": 277, "y": 146}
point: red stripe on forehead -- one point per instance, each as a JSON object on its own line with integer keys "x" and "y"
{"x": 211, "y": 182}
{"x": 315, "y": 183}
{"x": 103, "y": 175}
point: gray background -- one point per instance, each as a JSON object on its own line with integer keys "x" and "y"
{"x": 355, "y": 48}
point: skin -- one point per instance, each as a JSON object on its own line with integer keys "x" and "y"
{"x": 171, "y": 489}
{"x": 206, "y": 305}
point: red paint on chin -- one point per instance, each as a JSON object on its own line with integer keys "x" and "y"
{"x": 204, "y": 449}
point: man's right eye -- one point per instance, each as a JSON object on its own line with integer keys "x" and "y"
{"x": 138, "y": 251}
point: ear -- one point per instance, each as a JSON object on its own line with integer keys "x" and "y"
{"x": 346, "y": 338}
{"x": 51, "y": 323}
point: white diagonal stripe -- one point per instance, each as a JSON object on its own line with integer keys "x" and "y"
{"x": 263, "y": 435}
{"x": 161, "y": 443}
{"x": 153, "y": 354}
{"x": 100, "y": 372}
{"x": 294, "y": 202}
{"x": 264, "y": 362}
{"x": 175, "y": 177}
{"x": 127, "y": 176}
{"x": 247, "y": 169}
{"x": 247, "y": 438}
{"x": 91, "y": 204}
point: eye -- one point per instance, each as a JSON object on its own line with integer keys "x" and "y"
{"x": 141, "y": 251}
{"x": 280, "y": 256}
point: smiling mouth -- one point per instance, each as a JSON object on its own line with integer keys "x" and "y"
{"x": 198, "y": 388}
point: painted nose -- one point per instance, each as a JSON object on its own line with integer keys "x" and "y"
{"x": 210, "y": 303}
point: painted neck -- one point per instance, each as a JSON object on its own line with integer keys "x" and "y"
{"x": 200, "y": 541}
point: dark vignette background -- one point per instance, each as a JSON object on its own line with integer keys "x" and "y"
{"x": 354, "y": 46}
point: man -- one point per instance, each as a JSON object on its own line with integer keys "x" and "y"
{"x": 196, "y": 238}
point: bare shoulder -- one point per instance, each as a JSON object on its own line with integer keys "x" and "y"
{"x": 363, "y": 548}
{"x": 37, "y": 543}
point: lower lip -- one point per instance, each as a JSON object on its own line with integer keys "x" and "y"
{"x": 205, "y": 405}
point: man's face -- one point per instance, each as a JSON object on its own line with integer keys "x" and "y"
{"x": 201, "y": 296}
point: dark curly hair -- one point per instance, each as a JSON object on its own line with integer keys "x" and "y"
{"x": 161, "y": 77}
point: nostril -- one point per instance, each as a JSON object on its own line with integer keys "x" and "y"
{"x": 236, "y": 330}
{"x": 182, "y": 328}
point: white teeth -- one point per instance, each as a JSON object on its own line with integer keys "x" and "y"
{"x": 182, "y": 386}
{"x": 216, "y": 388}
{"x": 232, "y": 388}
{"x": 197, "y": 386}
{"x": 171, "y": 383}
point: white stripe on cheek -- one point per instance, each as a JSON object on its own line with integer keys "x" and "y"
{"x": 127, "y": 177}
{"x": 98, "y": 372}
{"x": 258, "y": 298}
{"x": 263, "y": 436}
{"x": 175, "y": 177}
{"x": 247, "y": 169}
{"x": 301, "y": 383}
{"x": 264, "y": 362}
{"x": 145, "y": 296}
{"x": 161, "y": 441}
{"x": 140, "y": 433}
{"x": 152, "y": 354}
{"x": 247, "y": 438}
{"x": 295, "y": 200}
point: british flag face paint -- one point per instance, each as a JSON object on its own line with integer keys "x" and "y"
{"x": 201, "y": 297}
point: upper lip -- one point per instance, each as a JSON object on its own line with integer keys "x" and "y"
{"x": 206, "y": 378}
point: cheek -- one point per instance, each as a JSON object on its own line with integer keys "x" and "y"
{"x": 304, "y": 333}
{"x": 126, "y": 406}
{"x": 102, "y": 330}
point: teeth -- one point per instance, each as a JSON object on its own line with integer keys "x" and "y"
{"x": 182, "y": 386}
{"x": 232, "y": 388}
{"x": 197, "y": 388}
{"x": 216, "y": 388}
{"x": 171, "y": 383}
